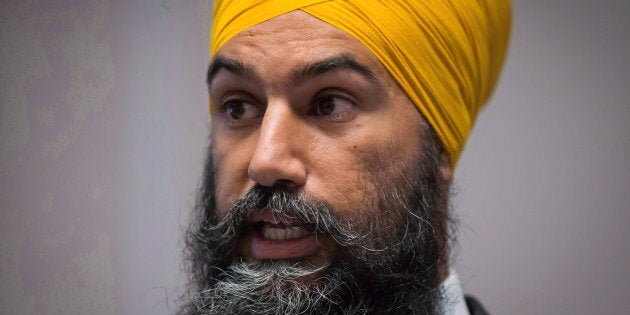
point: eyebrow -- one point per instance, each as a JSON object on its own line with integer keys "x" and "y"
{"x": 232, "y": 65}
{"x": 317, "y": 68}
{"x": 342, "y": 62}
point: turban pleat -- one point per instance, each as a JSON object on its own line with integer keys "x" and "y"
{"x": 446, "y": 55}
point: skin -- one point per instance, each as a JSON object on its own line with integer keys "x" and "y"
{"x": 317, "y": 135}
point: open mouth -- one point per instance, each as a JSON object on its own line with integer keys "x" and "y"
{"x": 274, "y": 239}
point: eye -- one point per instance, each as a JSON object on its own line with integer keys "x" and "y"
{"x": 239, "y": 110}
{"x": 333, "y": 106}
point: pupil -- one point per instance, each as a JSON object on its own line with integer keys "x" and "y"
{"x": 236, "y": 111}
{"x": 326, "y": 106}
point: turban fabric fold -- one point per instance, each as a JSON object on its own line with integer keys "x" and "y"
{"x": 446, "y": 55}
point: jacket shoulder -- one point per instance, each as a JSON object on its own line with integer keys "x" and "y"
{"x": 474, "y": 306}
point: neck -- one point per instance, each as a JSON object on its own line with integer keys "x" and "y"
{"x": 443, "y": 270}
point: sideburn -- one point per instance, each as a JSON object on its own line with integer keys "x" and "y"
{"x": 430, "y": 169}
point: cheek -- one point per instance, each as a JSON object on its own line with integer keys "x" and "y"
{"x": 338, "y": 177}
{"x": 342, "y": 176}
{"x": 231, "y": 180}
{"x": 226, "y": 186}
{"x": 345, "y": 172}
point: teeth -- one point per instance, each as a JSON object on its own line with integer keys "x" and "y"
{"x": 273, "y": 233}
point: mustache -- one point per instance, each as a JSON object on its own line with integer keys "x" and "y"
{"x": 286, "y": 206}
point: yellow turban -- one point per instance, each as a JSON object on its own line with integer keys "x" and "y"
{"x": 445, "y": 54}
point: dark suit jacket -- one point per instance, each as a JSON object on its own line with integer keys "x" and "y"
{"x": 474, "y": 307}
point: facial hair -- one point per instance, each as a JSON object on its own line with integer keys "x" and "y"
{"x": 388, "y": 257}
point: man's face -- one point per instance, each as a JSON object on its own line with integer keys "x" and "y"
{"x": 318, "y": 161}
{"x": 303, "y": 114}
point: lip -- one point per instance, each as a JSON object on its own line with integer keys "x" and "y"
{"x": 267, "y": 217}
{"x": 263, "y": 248}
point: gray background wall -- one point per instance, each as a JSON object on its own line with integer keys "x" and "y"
{"x": 103, "y": 123}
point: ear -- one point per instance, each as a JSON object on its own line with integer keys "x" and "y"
{"x": 445, "y": 169}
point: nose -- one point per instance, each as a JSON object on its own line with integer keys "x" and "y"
{"x": 278, "y": 156}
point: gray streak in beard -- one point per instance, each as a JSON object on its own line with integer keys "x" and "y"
{"x": 268, "y": 287}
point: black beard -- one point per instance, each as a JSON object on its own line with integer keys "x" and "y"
{"x": 387, "y": 262}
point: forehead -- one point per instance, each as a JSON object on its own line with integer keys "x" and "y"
{"x": 293, "y": 38}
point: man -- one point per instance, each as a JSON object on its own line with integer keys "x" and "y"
{"x": 336, "y": 126}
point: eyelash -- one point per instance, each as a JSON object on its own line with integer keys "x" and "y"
{"x": 322, "y": 96}
{"x": 235, "y": 98}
